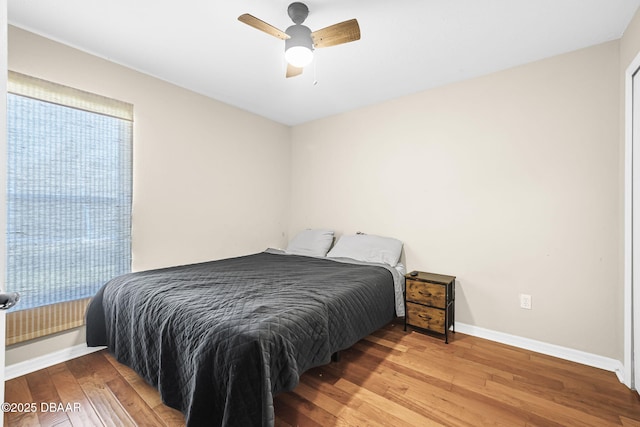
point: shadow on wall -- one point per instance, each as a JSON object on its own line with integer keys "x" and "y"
{"x": 462, "y": 304}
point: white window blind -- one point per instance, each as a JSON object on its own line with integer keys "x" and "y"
{"x": 68, "y": 201}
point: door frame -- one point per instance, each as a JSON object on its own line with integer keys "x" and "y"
{"x": 4, "y": 44}
{"x": 631, "y": 298}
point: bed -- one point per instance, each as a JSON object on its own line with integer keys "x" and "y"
{"x": 219, "y": 339}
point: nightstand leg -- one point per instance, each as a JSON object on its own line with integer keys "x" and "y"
{"x": 404, "y": 297}
{"x": 447, "y": 312}
{"x": 453, "y": 306}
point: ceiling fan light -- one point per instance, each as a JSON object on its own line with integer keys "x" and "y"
{"x": 299, "y": 56}
{"x": 298, "y": 50}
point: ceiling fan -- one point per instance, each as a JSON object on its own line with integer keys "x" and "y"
{"x": 300, "y": 41}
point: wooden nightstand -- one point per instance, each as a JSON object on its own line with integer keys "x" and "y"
{"x": 429, "y": 302}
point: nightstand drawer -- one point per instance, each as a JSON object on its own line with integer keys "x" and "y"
{"x": 425, "y": 317}
{"x": 426, "y": 293}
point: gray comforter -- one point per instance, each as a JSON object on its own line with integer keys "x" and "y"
{"x": 220, "y": 339}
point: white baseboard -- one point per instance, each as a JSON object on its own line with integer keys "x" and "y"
{"x": 37, "y": 363}
{"x": 565, "y": 353}
{"x": 589, "y": 359}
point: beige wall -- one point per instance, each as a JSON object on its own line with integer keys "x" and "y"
{"x": 210, "y": 180}
{"x": 630, "y": 43}
{"x": 508, "y": 181}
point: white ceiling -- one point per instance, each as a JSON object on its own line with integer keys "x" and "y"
{"x": 407, "y": 45}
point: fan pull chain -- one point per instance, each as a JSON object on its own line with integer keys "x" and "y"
{"x": 315, "y": 71}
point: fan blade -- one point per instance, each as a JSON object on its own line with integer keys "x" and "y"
{"x": 344, "y": 32}
{"x": 293, "y": 71}
{"x": 262, "y": 26}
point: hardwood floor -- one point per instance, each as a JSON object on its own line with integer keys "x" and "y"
{"x": 391, "y": 378}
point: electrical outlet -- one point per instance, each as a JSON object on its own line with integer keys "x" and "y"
{"x": 525, "y": 301}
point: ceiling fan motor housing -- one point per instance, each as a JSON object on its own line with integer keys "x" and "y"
{"x": 300, "y": 36}
{"x": 299, "y": 47}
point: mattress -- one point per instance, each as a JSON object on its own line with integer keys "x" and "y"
{"x": 219, "y": 339}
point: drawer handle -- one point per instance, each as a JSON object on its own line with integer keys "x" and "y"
{"x": 424, "y": 316}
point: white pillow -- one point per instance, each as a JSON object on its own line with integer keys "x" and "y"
{"x": 368, "y": 248}
{"x": 311, "y": 243}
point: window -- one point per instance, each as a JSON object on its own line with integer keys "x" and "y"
{"x": 68, "y": 202}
